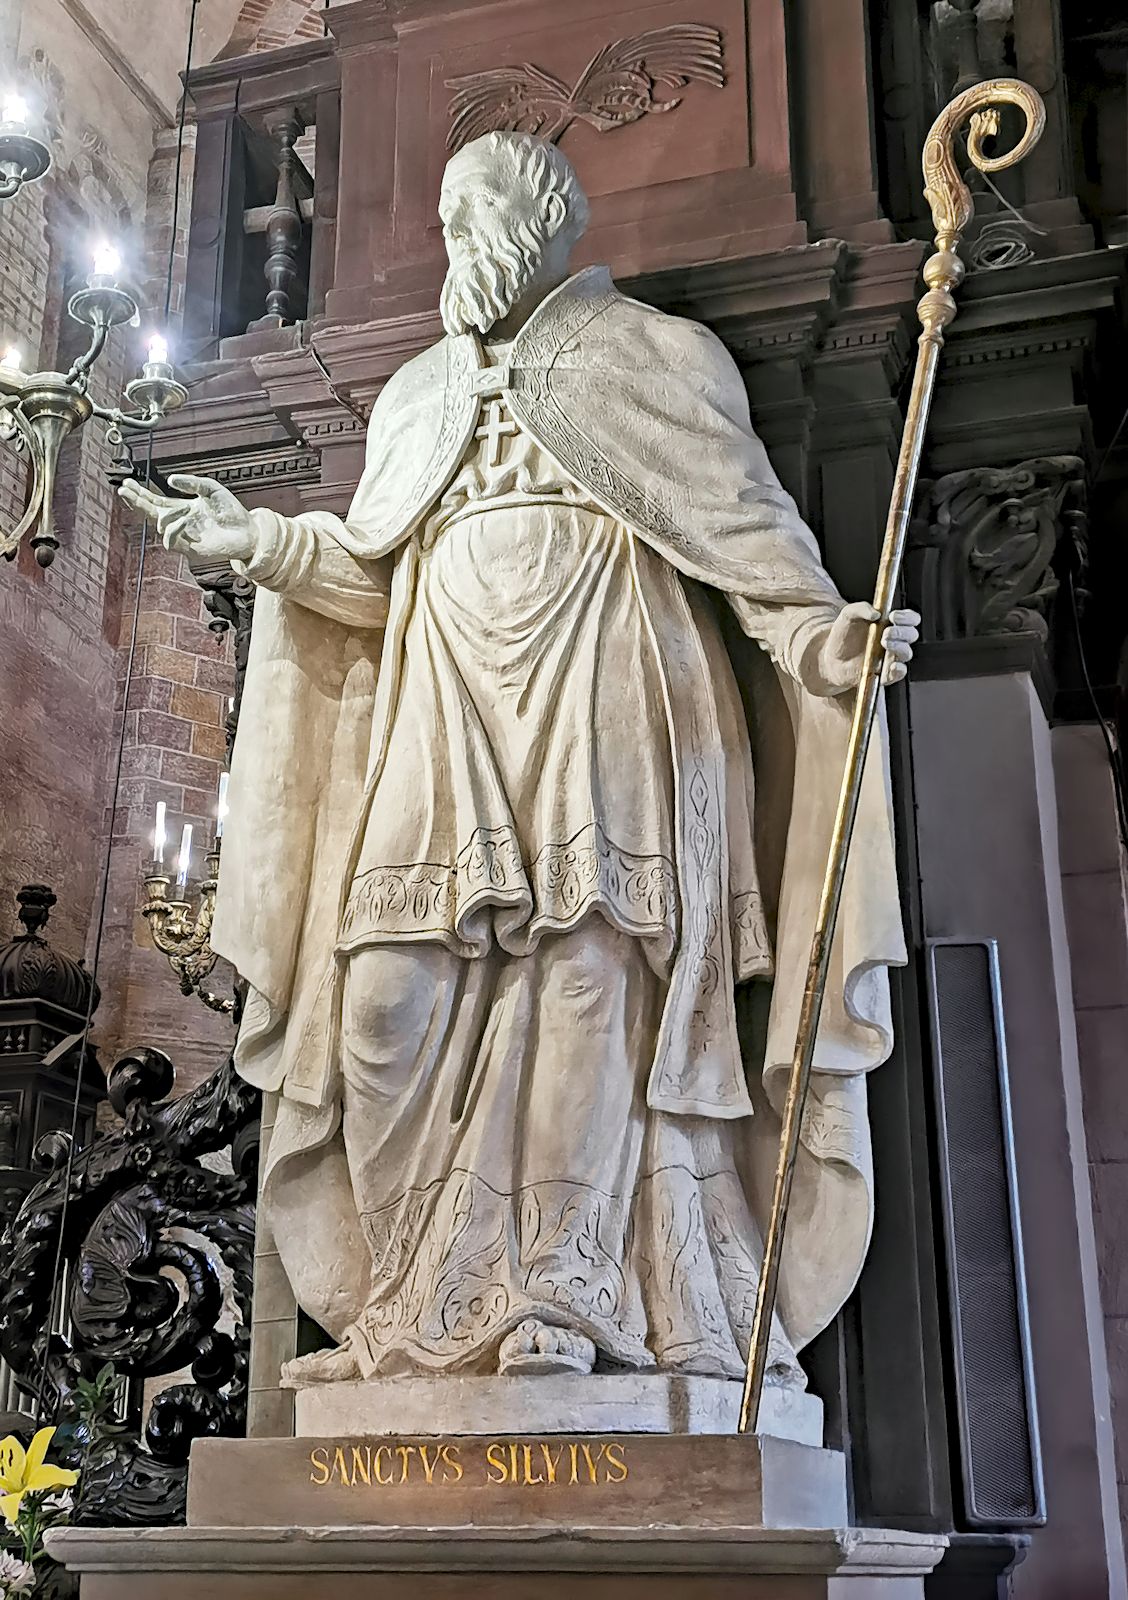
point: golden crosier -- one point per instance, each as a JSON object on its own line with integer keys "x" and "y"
{"x": 948, "y": 195}
{"x": 952, "y": 210}
{"x": 24, "y": 1472}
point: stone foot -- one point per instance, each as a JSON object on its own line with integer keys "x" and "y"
{"x": 321, "y": 1366}
{"x": 539, "y": 1347}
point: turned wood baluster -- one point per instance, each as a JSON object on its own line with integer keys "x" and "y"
{"x": 284, "y": 226}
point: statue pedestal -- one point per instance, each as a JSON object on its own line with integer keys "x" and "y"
{"x": 466, "y": 1564}
{"x": 664, "y": 1518}
{"x": 629, "y": 1402}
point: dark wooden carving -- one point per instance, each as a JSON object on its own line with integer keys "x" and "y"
{"x": 231, "y": 601}
{"x": 135, "y": 1205}
{"x": 44, "y": 997}
{"x": 616, "y": 87}
{"x": 982, "y": 549}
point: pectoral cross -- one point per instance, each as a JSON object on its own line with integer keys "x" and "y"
{"x": 497, "y": 426}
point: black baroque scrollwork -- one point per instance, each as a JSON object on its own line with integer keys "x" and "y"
{"x": 159, "y": 1247}
{"x": 983, "y": 543}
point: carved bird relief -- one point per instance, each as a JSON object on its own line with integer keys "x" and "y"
{"x": 616, "y": 87}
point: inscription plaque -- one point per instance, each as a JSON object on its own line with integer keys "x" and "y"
{"x": 516, "y": 1480}
{"x": 525, "y": 1463}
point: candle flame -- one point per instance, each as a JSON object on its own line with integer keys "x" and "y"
{"x": 184, "y": 861}
{"x": 221, "y": 804}
{"x": 13, "y": 357}
{"x": 158, "y": 349}
{"x": 159, "y": 834}
{"x": 14, "y": 110}
{"x": 107, "y": 260}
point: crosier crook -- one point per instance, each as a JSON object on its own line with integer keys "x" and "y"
{"x": 952, "y": 210}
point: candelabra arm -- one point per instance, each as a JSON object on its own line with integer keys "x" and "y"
{"x": 217, "y": 1002}
{"x": 183, "y": 938}
{"x": 137, "y": 420}
{"x": 80, "y": 372}
{"x": 40, "y": 410}
{"x": 22, "y": 432}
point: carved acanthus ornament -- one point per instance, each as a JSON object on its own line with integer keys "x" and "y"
{"x": 616, "y": 87}
{"x": 983, "y": 545}
{"x": 149, "y": 1232}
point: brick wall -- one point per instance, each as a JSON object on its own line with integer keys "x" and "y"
{"x": 64, "y": 633}
{"x": 174, "y": 742}
{"x": 270, "y": 24}
{"x": 173, "y": 751}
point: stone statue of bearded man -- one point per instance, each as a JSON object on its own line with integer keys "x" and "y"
{"x": 504, "y": 845}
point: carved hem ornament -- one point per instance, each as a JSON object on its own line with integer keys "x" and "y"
{"x": 593, "y": 1257}
{"x": 617, "y": 87}
{"x": 556, "y": 890}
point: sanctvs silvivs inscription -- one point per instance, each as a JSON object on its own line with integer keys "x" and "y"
{"x": 498, "y": 1462}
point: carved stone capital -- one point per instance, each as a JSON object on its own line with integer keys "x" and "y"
{"x": 983, "y": 543}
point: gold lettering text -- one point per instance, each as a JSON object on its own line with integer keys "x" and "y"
{"x": 551, "y": 1462}
{"x": 382, "y": 1450}
{"x": 319, "y": 1464}
{"x": 527, "y": 1460}
{"x": 362, "y": 1464}
{"x": 451, "y": 1463}
{"x": 593, "y": 1476}
{"x": 341, "y": 1467}
{"x": 495, "y": 1463}
{"x": 404, "y": 1451}
{"x": 614, "y": 1456}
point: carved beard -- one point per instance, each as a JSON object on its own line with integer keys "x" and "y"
{"x": 488, "y": 275}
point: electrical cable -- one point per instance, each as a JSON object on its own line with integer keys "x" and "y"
{"x": 103, "y": 898}
{"x": 1115, "y": 762}
{"x": 179, "y": 162}
{"x": 1114, "y": 754}
{"x": 1111, "y": 446}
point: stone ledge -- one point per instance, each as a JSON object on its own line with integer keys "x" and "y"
{"x": 633, "y": 1402}
{"x": 856, "y": 1552}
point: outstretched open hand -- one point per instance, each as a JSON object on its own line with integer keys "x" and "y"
{"x": 840, "y": 659}
{"x": 210, "y": 522}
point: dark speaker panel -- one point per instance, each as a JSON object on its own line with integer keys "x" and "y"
{"x": 998, "y": 1423}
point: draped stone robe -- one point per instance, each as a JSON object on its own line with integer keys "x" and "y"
{"x": 373, "y": 805}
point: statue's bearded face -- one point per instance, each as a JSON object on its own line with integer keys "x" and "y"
{"x": 495, "y": 239}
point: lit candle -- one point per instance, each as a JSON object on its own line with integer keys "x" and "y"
{"x": 184, "y": 860}
{"x": 158, "y": 350}
{"x": 13, "y": 357}
{"x": 160, "y": 837}
{"x": 14, "y": 110}
{"x": 107, "y": 260}
{"x": 221, "y": 804}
